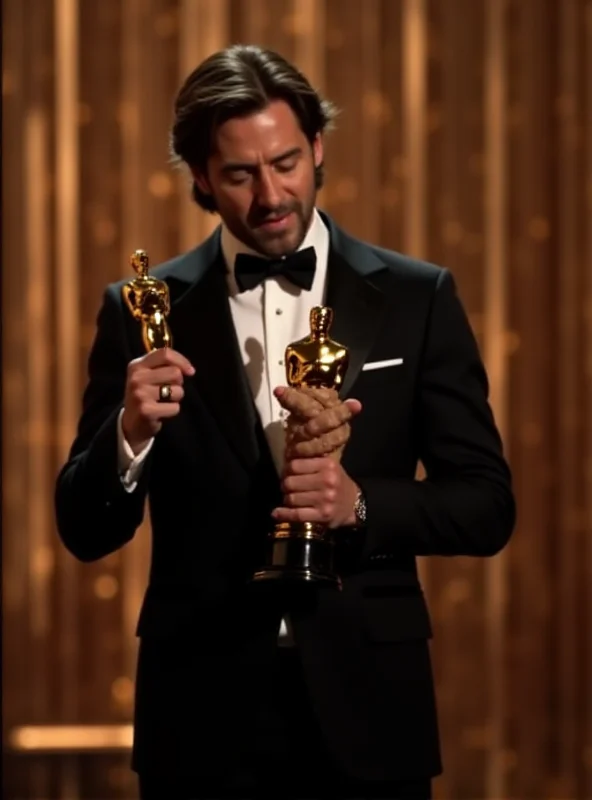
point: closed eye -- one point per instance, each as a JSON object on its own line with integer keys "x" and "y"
{"x": 238, "y": 176}
{"x": 238, "y": 173}
{"x": 286, "y": 165}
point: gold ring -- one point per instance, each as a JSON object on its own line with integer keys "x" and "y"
{"x": 164, "y": 393}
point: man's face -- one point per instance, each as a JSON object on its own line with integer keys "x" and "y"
{"x": 262, "y": 178}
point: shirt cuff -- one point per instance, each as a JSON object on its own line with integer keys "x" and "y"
{"x": 129, "y": 465}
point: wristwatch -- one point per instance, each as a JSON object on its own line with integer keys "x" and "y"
{"x": 360, "y": 510}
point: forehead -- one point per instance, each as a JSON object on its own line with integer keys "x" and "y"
{"x": 261, "y": 135}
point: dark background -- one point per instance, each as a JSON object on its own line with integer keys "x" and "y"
{"x": 465, "y": 138}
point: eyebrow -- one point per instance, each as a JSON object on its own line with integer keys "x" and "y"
{"x": 233, "y": 166}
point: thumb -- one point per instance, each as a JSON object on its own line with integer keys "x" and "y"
{"x": 354, "y": 406}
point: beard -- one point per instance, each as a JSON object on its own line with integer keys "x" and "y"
{"x": 267, "y": 241}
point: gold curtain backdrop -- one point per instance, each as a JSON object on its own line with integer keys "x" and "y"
{"x": 465, "y": 138}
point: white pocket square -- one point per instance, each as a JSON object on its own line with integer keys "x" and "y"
{"x": 391, "y": 362}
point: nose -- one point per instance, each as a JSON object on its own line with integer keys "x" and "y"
{"x": 268, "y": 189}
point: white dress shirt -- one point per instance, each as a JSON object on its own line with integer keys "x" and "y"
{"x": 266, "y": 319}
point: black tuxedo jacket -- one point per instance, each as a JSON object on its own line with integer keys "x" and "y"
{"x": 207, "y": 639}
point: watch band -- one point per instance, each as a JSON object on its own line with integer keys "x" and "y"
{"x": 360, "y": 509}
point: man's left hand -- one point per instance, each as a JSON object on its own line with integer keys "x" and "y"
{"x": 317, "y": 490}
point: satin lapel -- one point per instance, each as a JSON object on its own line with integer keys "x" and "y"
{"x": 203, "y": 330}
{"x": 358, "y": 303}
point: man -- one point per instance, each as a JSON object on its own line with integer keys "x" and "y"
{"x": 263, "y": 693}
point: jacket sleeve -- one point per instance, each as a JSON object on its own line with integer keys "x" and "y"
{"x": 465, "y": 505}
{"x": 95, "y": 514}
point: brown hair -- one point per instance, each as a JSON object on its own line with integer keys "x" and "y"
{"x": 236, "y": 82}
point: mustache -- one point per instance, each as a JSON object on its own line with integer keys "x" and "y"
{"x": 261, "y": 215}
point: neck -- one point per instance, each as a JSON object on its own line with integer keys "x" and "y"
{"x": 232, "y": 245}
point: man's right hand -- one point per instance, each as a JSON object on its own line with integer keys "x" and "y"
{"x": 143, "y": 411}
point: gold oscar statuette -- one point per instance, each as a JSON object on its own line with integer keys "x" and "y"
{"x": 148, "y": 300}
{"x": 302, "y": 552}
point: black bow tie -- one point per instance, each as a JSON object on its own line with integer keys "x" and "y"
{"x": 298, "y": 267}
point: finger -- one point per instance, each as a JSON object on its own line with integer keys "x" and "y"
{"x": 142, "y": 391}
{"x": 330, "y": 419}
{"x": 166, "y": 356}
{"x": 304, "y": 466}
{"x": 306, "y": 402}
{"x": 319, "y": 446}
{"x": 324, "y": 396}
{"x": 149, "y": 403}
{"x": 296, "y": 433}
{"x": 304, "y": 499}
{"x": 153, "y": 410}
{"x": 160, "y": 375}
{"x": 299, "y": 402}
{"x": 302, "y": 483}
{"x": 354, "y": 405}
{"x": 326, "y": 422}
{"x": 335, "y": 413}
{"x": 297, "y": 515}
{"x": 177, "y": 394}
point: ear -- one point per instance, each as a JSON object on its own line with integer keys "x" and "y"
{"x": 318, "y": 150}
{"x": 201, "y": 181}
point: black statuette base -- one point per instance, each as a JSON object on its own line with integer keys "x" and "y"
{"x": 300, "y": 559}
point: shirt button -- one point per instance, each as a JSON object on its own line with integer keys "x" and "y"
{"x": 278, "y": 311}
{"x": 281, "y": 362}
